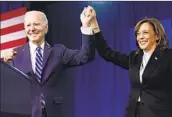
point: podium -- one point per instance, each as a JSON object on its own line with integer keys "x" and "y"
{"x": 15, "y": 92}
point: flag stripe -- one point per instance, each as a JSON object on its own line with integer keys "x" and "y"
{"x": 12, "y": 44}
{"x": 13, "y": 36}
{"x": 12, "y": 33}
{"x": 13, "y": 13}
{"x": 12, "y": 21}
{"x": 11, "y": 29}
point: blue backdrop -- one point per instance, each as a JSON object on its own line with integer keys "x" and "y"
{"x": 100, "y": 89}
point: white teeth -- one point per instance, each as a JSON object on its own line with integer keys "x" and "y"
{"x": 33, "y": 34}
{"x": 142, "y": 43}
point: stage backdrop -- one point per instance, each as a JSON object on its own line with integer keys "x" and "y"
{"x": 100, "y": 89}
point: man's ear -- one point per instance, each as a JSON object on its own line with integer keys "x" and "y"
{"x": 46, "y": 28}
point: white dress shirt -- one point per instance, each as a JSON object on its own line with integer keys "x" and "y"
{"x": 33, "y": 53}
{"x": 87, "y": 31}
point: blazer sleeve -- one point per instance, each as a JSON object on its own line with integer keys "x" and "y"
{"x": 109, "y": 54}
{"x": 74, "y": 57}
{"x": 170, "y": 62}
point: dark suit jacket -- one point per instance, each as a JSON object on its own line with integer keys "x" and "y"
{"x": 55, "y": 60}
{"x": 156, "y": 87}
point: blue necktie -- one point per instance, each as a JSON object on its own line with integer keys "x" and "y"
{"x": 38, "y": 71}
{"x": 38, "y": 64}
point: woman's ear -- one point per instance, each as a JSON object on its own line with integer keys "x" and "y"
{"x": 157, "y": 38}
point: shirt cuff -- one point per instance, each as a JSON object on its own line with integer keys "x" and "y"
{"x": 86, "y": 31}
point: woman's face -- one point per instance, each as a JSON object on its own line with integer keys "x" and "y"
{"x": 146, "y": 37}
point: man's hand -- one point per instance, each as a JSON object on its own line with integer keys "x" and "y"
{"x": 88, "y": 19}
{"x": 87, "y": 15}
{"x": 8, "y": 56}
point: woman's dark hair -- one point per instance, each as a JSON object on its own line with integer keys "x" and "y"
{"x": 162, "y": 42}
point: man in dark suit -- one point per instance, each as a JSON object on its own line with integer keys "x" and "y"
{"x": 150, "y": 68}
{"x": 44, "y": 64}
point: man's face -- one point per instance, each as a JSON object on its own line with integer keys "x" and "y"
{"x": 35, "y": 27}
{"x": 146, "y": 37}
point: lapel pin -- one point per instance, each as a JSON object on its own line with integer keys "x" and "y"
{"x": 156, "y": 58}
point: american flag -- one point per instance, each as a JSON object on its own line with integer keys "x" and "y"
{"x": 12, "y": 32}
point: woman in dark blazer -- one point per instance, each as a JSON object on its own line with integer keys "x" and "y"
{"x": 150, "y": 68}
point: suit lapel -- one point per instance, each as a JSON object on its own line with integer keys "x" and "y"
{"x": 152, "y": 63}
{"x": 137, "y": 66}
{"x": 135, "y": 62}
{"x": 47, "y": 52}
{"x": 27, "y": 59}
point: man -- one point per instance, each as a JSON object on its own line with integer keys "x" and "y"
{"x": 44, "y": 63}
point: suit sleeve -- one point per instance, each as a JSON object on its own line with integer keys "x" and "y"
{"x": 171, "y": 63}
{"x": 86, "y": 54}
{"x": 109, "y": 54}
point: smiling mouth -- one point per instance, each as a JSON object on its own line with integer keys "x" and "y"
{"x": 143, "y": 42}
{"x": 33, "y": 35}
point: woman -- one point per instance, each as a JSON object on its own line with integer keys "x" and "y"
{"x": 150, "y": 68}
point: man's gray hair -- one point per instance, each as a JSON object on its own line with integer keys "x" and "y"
{"x": 44, "y": 17}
